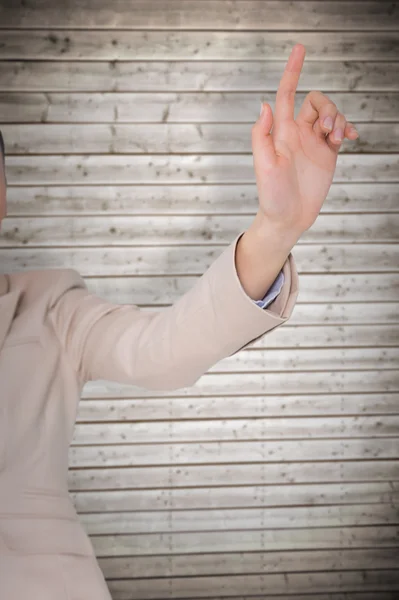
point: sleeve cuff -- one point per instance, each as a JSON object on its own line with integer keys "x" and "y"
{"x": 272, "y": 292}
{"x": 241, "y": 319}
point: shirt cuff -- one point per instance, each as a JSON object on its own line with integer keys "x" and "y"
{"x": 272, "y": 292}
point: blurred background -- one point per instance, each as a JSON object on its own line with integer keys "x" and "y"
{"x": 127, "y": 128}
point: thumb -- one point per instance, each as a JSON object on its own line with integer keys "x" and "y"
{"x": 262, "y": 142}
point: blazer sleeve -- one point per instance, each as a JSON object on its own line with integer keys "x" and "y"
{"x": 170, "y": 348}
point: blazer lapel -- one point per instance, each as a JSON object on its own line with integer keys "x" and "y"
{"x": 8, "y": 307}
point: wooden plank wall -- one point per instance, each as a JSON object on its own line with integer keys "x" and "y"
{"x": 128, "y": 131}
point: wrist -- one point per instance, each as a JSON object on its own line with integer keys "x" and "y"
{"x": 266, "y": 234}
{"x": 260, "y": 254}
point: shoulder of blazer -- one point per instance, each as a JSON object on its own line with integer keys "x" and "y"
{"x": 44, "y": 286}
{"x": 65, "y": 280}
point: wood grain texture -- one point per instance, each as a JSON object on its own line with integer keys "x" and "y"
{"x": 269, "y": 562}
{"x": 188, "y": 76}
{"x": 237, "y": 496}
{"x": 202, "y": 587}
{"x": 171, "y": 231}
{"x": 241, "y": 474}
{"x": 168, "y": 139}
{"x": 195, "y": 45}
{"x": 384, "y": 536}
{"x": 273, "y": 382}
{"x": 172, "y": 452}
{"x": 374, "y": 15}
{"x": 132, "y": 260}
{"x": 178, "y": 107}
{"x": 184, "y": 199}
{"x": 236, "y": 429}
{"x": 177, "y": 169}
{"x": 211, "y": 407}
{"x": 238, "y": 519}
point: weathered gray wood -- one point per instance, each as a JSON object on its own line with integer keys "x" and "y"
{"x": 320, "y": 596}
{"x": 250, "y": 541}
{"x": 168, "y": 138}
{"x": 205, "y": 14}
{"x": 290, "y": 517}
{"x": 222, "y": 407}
{"x": 184, "y": 199}
{"x": 271, "y": 382}
{"x": 137, "y": 230}
{"x": 236, "y": 429}
{"x": 202, "y": 587}
{"x": 241, "y": 474}
{"x": 127, "y": 261}
{"x": 211, "y": 107}
{"x": 178, "y": 169}
{"x": 195, "y": 45}
{"x": 188, "y": 76}
{"x": 262, "y": 562}
{"x": 230, "y": 496}
{"x": 135, "y": 454}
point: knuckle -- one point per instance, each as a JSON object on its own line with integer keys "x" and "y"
{"x": 331, "y": 106}
{"x": 315, "y": 94}
{"x": 330, "y": 109}
{"x": 286, "y": 94}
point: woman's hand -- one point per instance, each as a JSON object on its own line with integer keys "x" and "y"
{"x": 295, "y": 162}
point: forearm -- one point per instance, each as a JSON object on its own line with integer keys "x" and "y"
{"x": 260, "y": 254}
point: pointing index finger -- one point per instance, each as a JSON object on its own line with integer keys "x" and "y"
{"x": 285, "y": 98}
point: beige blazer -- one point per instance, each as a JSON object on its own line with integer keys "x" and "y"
{"x": 54, "y": 337}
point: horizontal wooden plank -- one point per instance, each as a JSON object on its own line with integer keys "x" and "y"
{"x": 223, "y": 407}
{"x": 319, "y": 360}
{"x": 321, "y": 596}
{"x": 168, "y": 138}
{"x": 230, "y": 496}
{"x": 178, "y": 107}
{"x": 177, "y": 230}
{"x": 237, "y": 474}
{"x": 136, "y": 454}
{"x": 144, "y": 522}
{"x": 326, "y": 382}
{"x": 194, "y": 45}
{"x": 127, "y": 261}
{"x": 202, "y": 587}
{"x": 236, "y": 430}
{"x": 173, "y": 169}
{"x": 189, "y": 76}
{"x": 186, "y": 199}
{"x": 247, "y": 562}
{"x": 206, "y": 14}
{"x": 383, "y": 536}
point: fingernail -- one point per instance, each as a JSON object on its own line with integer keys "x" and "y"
{"x": 328, "y": 122}
{"x": 261, "y": 108}
{"x": 353, "y": 130}
{"x": 339, "y": 135}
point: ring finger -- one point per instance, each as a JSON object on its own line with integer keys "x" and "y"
{"x": 336, "y": 137}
